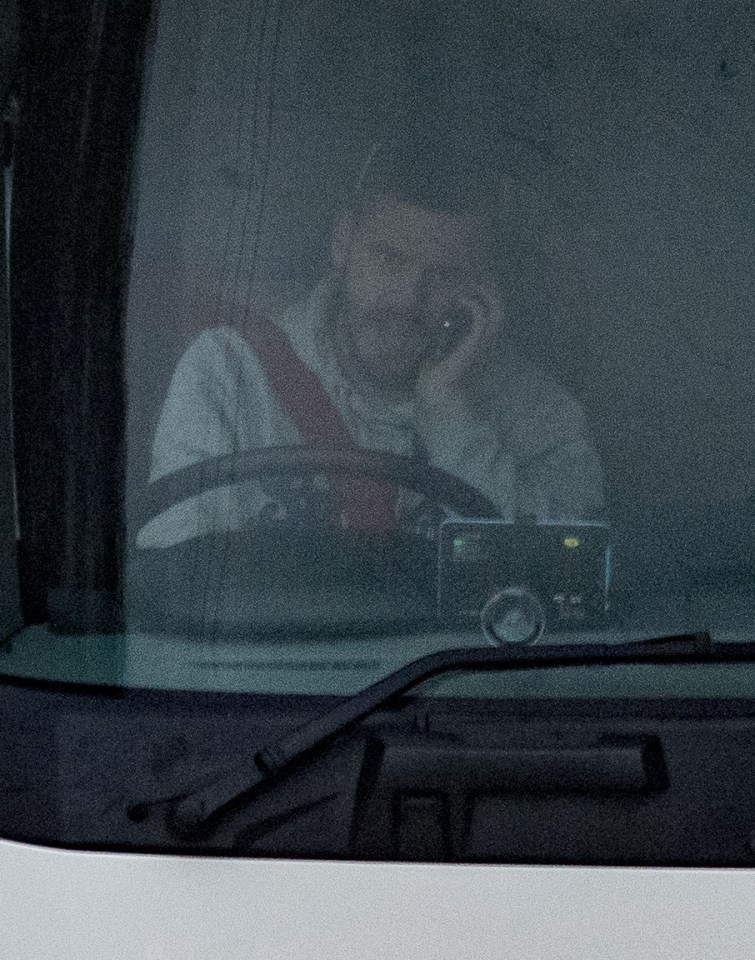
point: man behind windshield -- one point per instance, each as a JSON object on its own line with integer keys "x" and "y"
{"x": 402, "y": 349}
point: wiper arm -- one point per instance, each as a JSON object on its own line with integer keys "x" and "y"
{"x": 194, "y": 812}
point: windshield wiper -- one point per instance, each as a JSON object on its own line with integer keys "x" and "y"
{"x": 196, "y": 811}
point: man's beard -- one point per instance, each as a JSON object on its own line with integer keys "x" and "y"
{"x": 386, "y": 374}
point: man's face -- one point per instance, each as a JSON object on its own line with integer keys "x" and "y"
{"x": 401, "y": 269}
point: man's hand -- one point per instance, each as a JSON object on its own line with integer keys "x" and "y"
{"x": 447, "y": 380}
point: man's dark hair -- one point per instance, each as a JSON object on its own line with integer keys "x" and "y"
{"x": 436, "y": 171}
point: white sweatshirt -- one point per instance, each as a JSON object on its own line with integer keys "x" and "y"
{"x": 522, "y": 440}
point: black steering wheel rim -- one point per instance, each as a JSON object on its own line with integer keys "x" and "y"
{"x": 435, "y": 484}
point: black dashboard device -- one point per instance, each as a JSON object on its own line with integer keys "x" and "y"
{"x": 566, "y": 566}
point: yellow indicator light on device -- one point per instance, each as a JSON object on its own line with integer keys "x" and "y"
{"x": 571, "y": 542}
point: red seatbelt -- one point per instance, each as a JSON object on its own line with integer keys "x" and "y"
{"x": 365, "y": 504}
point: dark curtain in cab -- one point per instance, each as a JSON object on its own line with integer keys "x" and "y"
{"x": 82, "y": 65}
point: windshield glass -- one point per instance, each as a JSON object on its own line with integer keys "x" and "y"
{"x": 438, "y": 334}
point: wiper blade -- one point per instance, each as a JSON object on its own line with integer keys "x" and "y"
{"x": 193, "y": 813}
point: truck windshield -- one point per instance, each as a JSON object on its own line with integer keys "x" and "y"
{"x": 437, "y": 330}
{"x": 341, "y": 334}
{"x": 430, "y": 304}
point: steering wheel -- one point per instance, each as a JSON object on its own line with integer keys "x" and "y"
{"x": 287, "y": 579}
{"x": 438, "y": 486}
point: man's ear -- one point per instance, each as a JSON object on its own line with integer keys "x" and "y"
{"x": 340, "y": 240}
